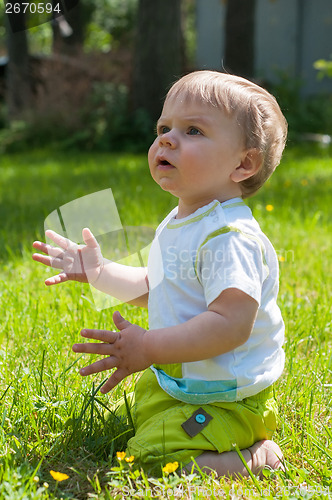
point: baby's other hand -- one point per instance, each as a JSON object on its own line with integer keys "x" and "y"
{"x": 124, "y": 350}
{"x": 82, "y": 263}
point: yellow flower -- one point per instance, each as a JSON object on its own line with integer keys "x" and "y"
{"x": 130, "y": 459}
{"x": 269, "y": 208}
{"x": 304, "y": 182}
{"x": 281, "y": 258}
{"x": 170, "y": 467}
{"x": 58, "y": 476}
{"x": 120, "y": 455}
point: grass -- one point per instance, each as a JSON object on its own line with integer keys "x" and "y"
{"x": 52, "y": 419}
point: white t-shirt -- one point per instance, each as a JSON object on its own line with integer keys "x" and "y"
{"x": 192, "y": 260}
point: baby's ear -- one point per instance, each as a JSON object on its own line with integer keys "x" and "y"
{"x": 251, "y": 162}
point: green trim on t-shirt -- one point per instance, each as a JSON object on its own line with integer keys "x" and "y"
{"x": 193, "y": 219}
{"x": 204, "y": 214}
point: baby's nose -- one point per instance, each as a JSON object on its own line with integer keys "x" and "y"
{"x": 168, "y": 139}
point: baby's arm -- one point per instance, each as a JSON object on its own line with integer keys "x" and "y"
{"x": 126, "y": 283}
{"x": 226, "y": 325}
{"x": 85, "y": 263}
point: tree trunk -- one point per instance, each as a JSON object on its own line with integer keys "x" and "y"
{"x": 158, "y": 59}
{"x": 68, "y": 30}
{"x": 19, "y": 93}
{"x": 240, "y": 31}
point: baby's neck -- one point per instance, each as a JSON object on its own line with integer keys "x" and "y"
{"x": 185, "y": 209}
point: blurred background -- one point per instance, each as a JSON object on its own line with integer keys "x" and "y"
{"x": 89, "y": 75}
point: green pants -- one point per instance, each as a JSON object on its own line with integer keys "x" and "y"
{"x": 160, "y": 438}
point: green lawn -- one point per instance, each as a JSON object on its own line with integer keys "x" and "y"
{"x": 52, "y": 419}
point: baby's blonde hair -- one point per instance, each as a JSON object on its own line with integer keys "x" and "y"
{"x": 256, "y": 111}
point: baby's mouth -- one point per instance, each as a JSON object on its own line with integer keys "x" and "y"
{"x": 164, "y": 164}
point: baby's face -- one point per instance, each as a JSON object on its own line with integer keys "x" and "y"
{"x": 195, "y": 152}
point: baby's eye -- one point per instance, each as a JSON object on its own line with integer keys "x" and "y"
{"x": 162, "y": 129}
{"x": 194, "y": 131}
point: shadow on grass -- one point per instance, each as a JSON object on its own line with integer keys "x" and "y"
{"x": 81, "y": 445}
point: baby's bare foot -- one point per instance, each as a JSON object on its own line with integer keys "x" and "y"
{"x": 261, "y": 454}
{"x": 265, "y": 454}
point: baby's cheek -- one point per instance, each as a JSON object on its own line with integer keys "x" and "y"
{"x": 151, "y": 157}
{"x": 153, "y": 149}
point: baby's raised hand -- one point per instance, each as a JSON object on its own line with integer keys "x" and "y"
{"x": 82, "y": 263}
{"x": 125, "y": 350}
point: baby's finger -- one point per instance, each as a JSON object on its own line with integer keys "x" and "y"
{"x": 48, "y": 261}
{"x": 58, "y": 239}
{"x": 103, "y": 335}
{"x": 44, "y": 259}
{"x": 39, "y": 245}
{"x": 99, "y": 366}
{"x": 48, "y": 249}
{"x": 89, "y": 238}
{"x": 58, "y": 278}
{"x": 114, "y": 380}
{"x": 104, "y": 349}
{"x": 54, "y": 251}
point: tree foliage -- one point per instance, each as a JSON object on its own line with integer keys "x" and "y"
{"x": 324, "y": 68}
